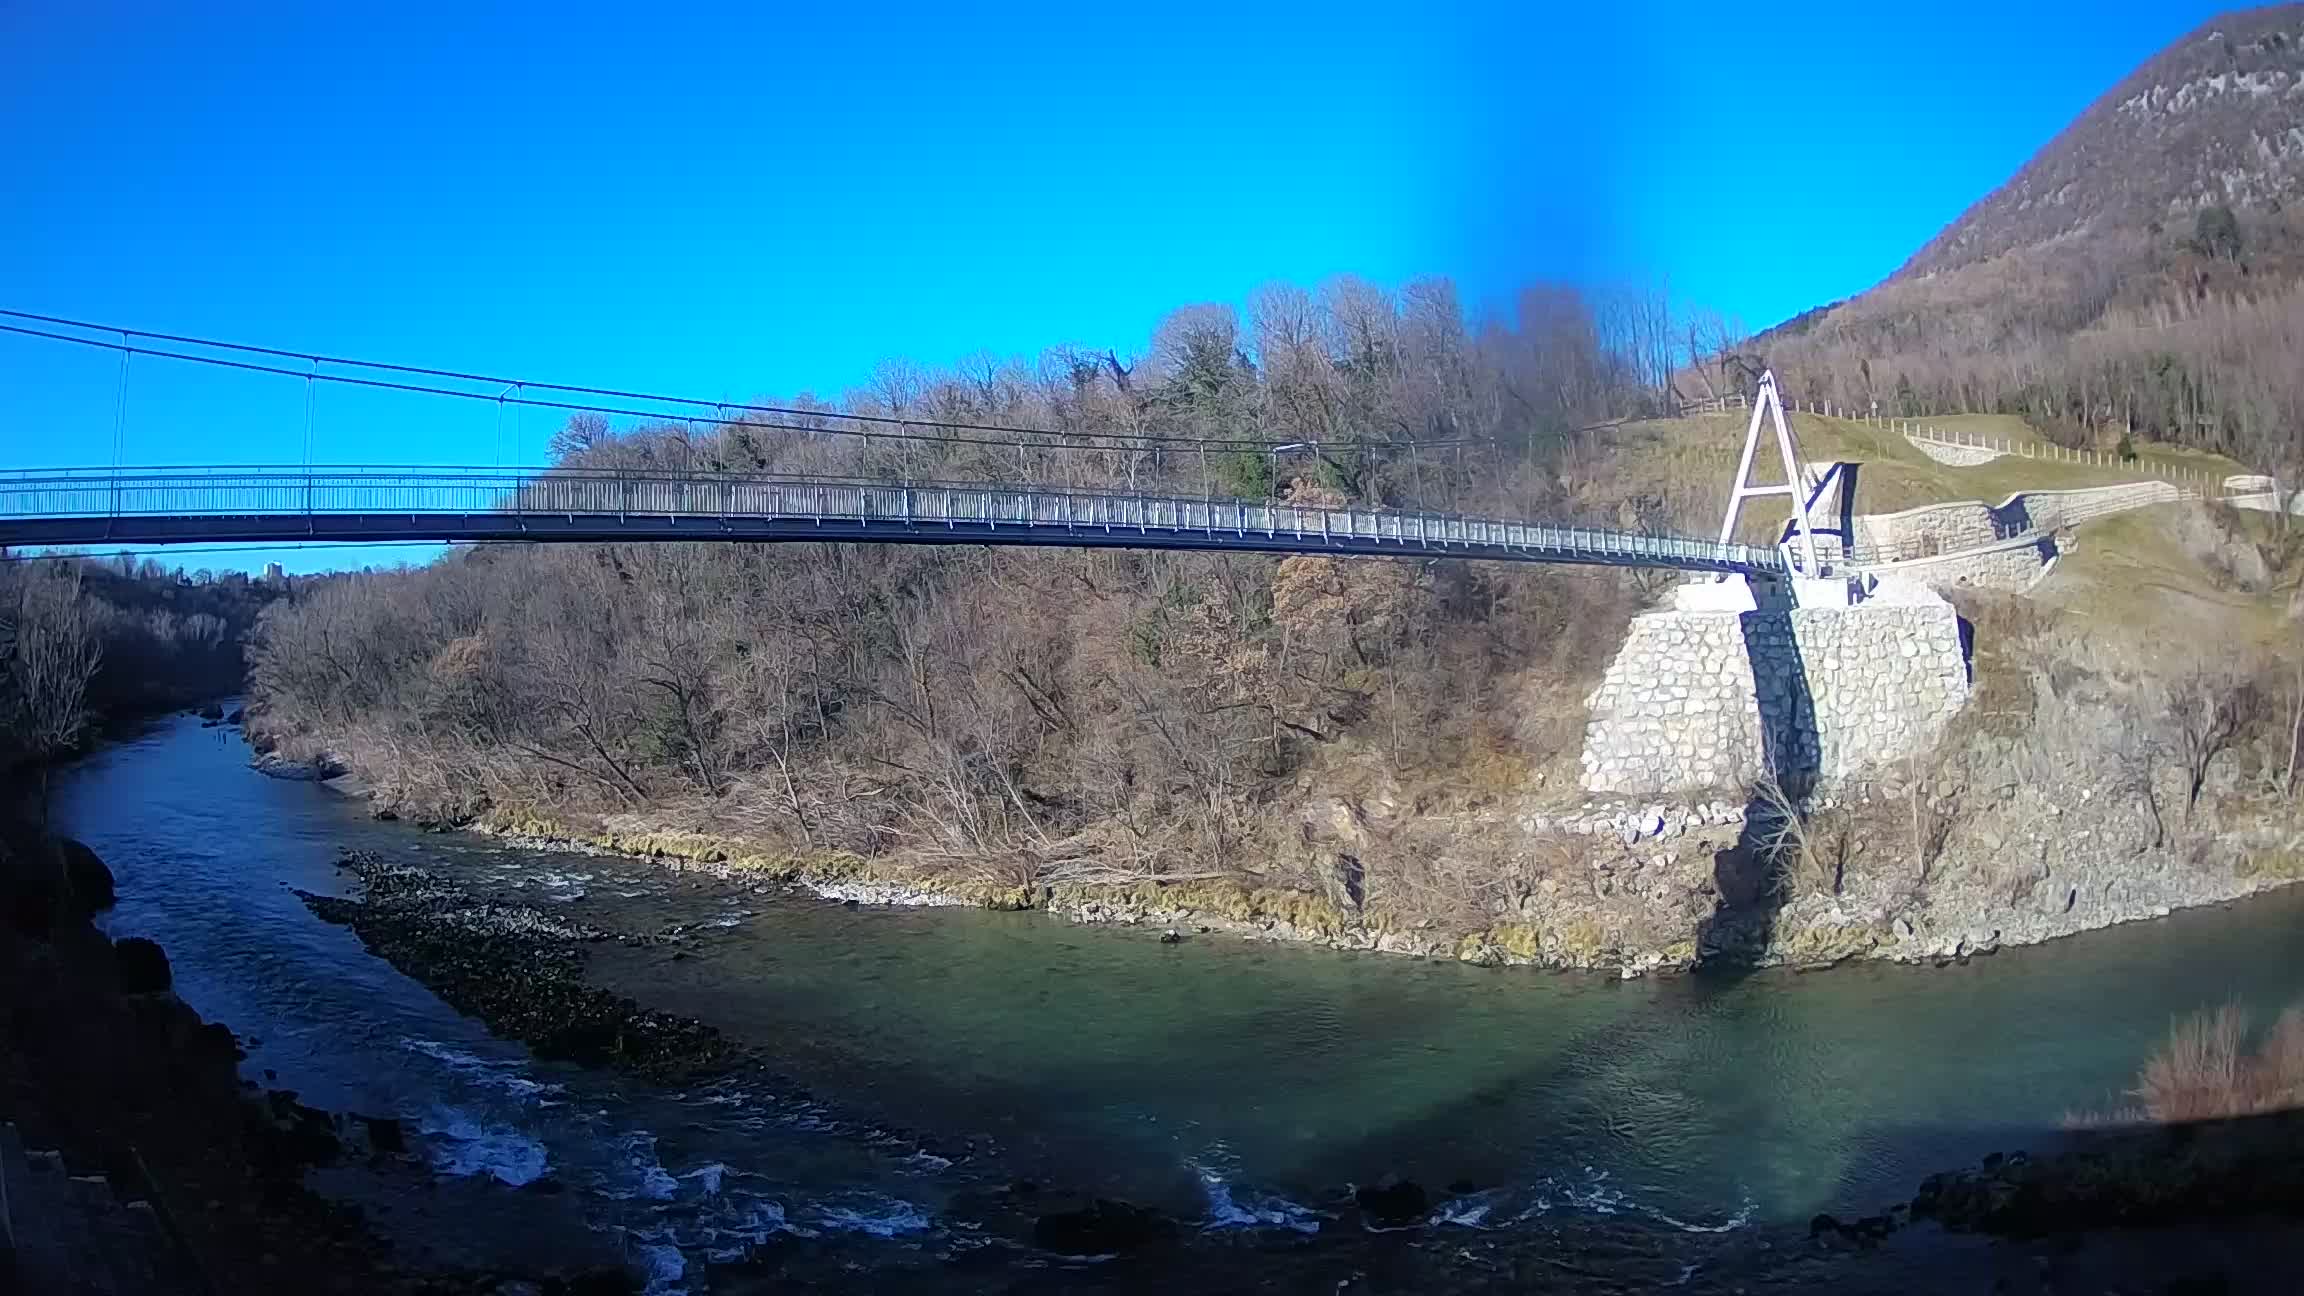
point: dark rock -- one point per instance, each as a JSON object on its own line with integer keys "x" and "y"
{"x": 1171, "y": 937}
{"x": 848, "y": 904}
{"x": 210, "y": 711}
{"x": 1462, "y": 1188}
{"x": 1392, "y": 1202}
{"x": 594, "y": 1282}
{"x": 1825, "y": 1226}
{"x": 216, "y": 1040}
{"x": 1102, "y": 1228}
{"x": 143, "y": 966}
{"x": 385, "y": 1133}
{"x": 86, "y": 877}
{"x": 518, "y": 969}
{"x": 285, "y": 1136}
{"x": 32, "y": 894}
{"x": 239, "y": 716}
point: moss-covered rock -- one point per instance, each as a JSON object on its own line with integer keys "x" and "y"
{"x": 1827, "y": 942}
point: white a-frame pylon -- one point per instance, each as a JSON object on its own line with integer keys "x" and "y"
{"x": 1767, "y": 404}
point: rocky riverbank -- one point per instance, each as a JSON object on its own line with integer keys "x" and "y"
{"x": 2217, "y": 1172}
{"x": 2054, "y": 802}
{"x": 1917, "y": 872}
{"x": 522, "y": 972}
{"x": 518, "y": 970}
{"x": 139, "y": 1099}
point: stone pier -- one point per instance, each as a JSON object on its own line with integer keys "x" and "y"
{"x": 1703, "y": 699}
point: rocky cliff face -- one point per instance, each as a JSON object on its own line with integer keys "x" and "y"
{"x": 2216, "y": 119}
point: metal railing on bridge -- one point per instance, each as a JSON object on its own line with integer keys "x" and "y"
{"x": 99, "y": 506}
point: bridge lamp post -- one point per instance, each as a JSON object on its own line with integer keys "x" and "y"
{"x": 1279, "y": 450}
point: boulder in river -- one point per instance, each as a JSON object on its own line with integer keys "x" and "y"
{"x": 1102, "y": 1227}
{"x": 606, "y": 1281}
{"x": 285, "y": 1136}
{"x": 385, "y": 1134}
{"x": 143, "y": 966}
{"x": 1392, "y": 1202}
{"x": 86, "y": 877}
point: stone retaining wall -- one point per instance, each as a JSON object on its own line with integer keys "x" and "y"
{"x": 2014, "y": 567}
{"x": 1714, "y": 700}
{"x": 1967, "y": 524}
{"x": 1955, "y": 456}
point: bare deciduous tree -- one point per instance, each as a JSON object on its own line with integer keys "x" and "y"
{"x": 49, "y": 653}
{"x": 2207, "y": 711}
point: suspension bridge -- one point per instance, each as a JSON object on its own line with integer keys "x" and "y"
{"x": 158, "y": 506}
{"x": 123, "y": 505}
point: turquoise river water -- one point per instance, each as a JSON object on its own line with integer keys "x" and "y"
{"x": 1239, "y": 1086}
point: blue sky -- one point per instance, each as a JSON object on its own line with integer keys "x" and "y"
{"x": 758, "y": 202}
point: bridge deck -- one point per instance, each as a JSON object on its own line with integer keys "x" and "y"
{"x": 181, "y": 505}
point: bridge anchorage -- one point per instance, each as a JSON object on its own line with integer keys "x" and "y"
{"x": 1805, "y": 575}
{"x": 1776, "y": 682}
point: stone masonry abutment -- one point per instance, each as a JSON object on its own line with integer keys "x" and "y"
{"x": 1703, "y": 700}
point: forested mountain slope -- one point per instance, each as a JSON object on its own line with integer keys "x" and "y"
{"x": 2140, "y": 274}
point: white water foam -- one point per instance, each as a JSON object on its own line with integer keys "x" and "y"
{"x": 707, "y": 1177}
{"x": 639, "y": 1174}
{"x": 1230, "y": 1209}
{"x": 664, "y": 1266}
{"x": 496, "y": 1073}
{"x": 464, "y": 1146}
{"x": 1591, "y": 1194}
{"x": 723, "y": 1231}
{"x": 758, "y": 1220}
{"x": 885, "y": 1217}
{"x": 1465, "y": 1212}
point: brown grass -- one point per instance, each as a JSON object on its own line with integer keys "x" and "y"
{"x": 1682, "y": 467}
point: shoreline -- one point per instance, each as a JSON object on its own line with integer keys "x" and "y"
{"x": 139, "y": 1153}
{"x": 2107, "y": 1191}
{"x": 1229, "y": 909}
{"x": 1161, "y": 1265}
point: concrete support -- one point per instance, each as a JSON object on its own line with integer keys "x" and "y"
{"x": 1768, "y": 407}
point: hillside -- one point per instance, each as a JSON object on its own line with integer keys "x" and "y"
{"x": 2215, "y": 119}
{"x": 2140, "y": 274}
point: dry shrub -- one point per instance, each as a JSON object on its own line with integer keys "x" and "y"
{"x": 2199, "y": 1072}
{"x": 1431, "y": 882}
{"x": 1805, "y": 851}
{"x": 2206, "y": 1069}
